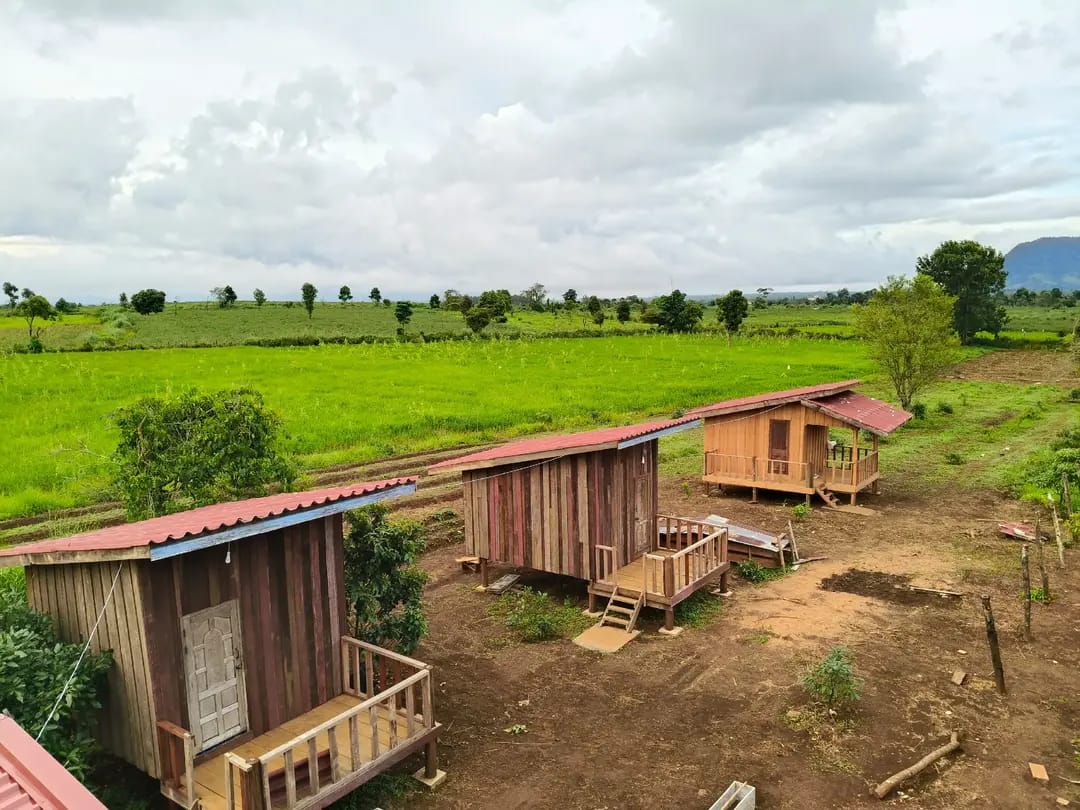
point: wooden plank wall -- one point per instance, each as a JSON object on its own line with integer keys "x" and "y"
{"x": 73, "y": 596}
{"x": 551, "y": 516}
{"x": 292, "y": 617}
{"x": 747, "y": 435}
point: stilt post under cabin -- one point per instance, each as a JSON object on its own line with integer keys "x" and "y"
{"x": 483, "y": 571}
{"x": 669, "y": 618}
{"x": 431, "y": 760}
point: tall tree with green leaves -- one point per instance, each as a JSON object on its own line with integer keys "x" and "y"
{"x": 375, "y": 295}
{"x": 731, "y": 311}
{"x": 197, "y": 448}
{"x": 34, "y": 309}
{"x": 974, "y": 275}
{"x": 344, "y": 294}
{"x": 908, "y": 325}
{"x": 259, "y": 296}
{"x": 676, "y": 313}
{"x": 433, "y": 302}
{"x": 308, "y": 294}
{"x": 535, "y": 297}
{"x": 403, "y": 313}
{"x": 383, "y": 584}
{"x": 12, "y": 293}
{"x": 622, "y": 310}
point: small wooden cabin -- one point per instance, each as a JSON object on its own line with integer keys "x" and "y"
{"x": 586, "y": 505}
{"x": 234, "y": 681}
{"x": 780, "y": 441}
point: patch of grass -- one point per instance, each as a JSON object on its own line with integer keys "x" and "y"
{"x": 533, "y": 616}
{"x": 954, "y": 458}
{"x": 386, "y": 788}
{"x": 827, "y": 735}
{"x": 944, "y": 407}
{"x": 1039, "y": 595}
{"x": 761, "y": 637}
{"x": 699, "y": 610}
{"x": 757, "y": 574}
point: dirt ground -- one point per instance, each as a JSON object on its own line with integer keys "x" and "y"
{"x": 670, "y": 722}
{"x": 1021, "y": 366}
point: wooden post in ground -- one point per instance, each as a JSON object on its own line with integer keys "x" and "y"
{"x": 483, "y": 571}
{"x": 1042, "y": 565}
{"x": 1057, "y": 535}
{"x": 669, "y": 618}
{"x": 1066, "y": 494}
{"x": 431, "y": 760}
{"x": 1025, "y": 573}
{"x": 995, "y": 650}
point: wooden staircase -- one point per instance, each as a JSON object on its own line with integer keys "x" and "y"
{"x": 622, "y": 611}
{"x": 830, "y": 500}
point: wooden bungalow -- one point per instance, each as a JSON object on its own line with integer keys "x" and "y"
{"x": 586, "y": 505}
{"x": 780, "y": 441}
{"x": 234, "y": 681}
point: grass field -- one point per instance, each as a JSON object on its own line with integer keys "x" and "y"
{"x": 354, "y": 403}
{"x": 205, "y": 325}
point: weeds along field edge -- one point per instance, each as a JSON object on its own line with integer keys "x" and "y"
{"x": 359, "y": 403}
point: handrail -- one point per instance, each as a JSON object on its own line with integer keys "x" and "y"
{"x": 385, "y": 653}
{"x": 699, "y": 543}
{"x": 600, "y": 574}
{"x": 176, "y": 746}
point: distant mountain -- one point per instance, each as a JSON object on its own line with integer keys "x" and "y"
{"x": 1053, "y": 261}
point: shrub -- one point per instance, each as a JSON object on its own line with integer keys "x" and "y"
{"x": 35, "y": 346}
{"x": 534, "y": 617}
{"x": 1074, "y": 395}
{"x": 944, "y": 407}
{"x": 34, "y": 667}
{"x": 382, "y": 583}
{"x": 833, "y": 681}
{"x": 918, "y": 410}
{"x": 954, "y": 458}
{"x": 753, "y": 572}
{"x": 800, "y": 512}
{"x": 1039, "y": 595}
{"x": 149, "y": 301}
{"x": 196, "y": 449}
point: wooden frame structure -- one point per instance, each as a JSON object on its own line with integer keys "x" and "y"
{"x": 234, "y": 682}
{"x": 586, "y": 505}
{"x": 781, "y": 442}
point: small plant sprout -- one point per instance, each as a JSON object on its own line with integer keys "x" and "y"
{"x": 833, "y": 681}
{"x": 516, "y": 729}
{"x": 800, "y": 512}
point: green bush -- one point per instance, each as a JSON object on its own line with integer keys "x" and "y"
{"x": 800, "y": 512}
{"x": 833, "y": 681}
{"x": 34, "y": 667}
{"x": 918, "y": 410}
{"x": 944, "y": 407}
{"x": 1074, "y": 395}
{"x": 382, "y": 583}
{"x": 534, "y": 617}
{"x": 753, "y": 572}
{"x": 954, "y": 458}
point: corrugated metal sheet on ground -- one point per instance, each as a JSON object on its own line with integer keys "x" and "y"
{"x": 202, "y": 520}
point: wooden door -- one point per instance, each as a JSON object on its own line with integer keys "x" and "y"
{"x": 779, "y": 446}
{"x": 217, "y": 700}
{"x": 816, "y": 449}
{"x": 643, "y": 517}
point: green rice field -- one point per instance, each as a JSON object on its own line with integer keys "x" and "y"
{"x": 356, "y": 403}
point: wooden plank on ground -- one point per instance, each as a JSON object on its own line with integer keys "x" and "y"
{"x": 503, "y": 583}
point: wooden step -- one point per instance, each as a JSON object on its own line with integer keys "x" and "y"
{"x": 627, "y": 600}
{"x": 620, "y": 609}
{"x": 619, "y": 620}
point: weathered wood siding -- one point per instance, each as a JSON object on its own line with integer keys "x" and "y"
{"x": 73, "y": 596}
{"x": 292, "y": 616}
{"x": 551, "y": 516}
{"x": 747, "y": 434}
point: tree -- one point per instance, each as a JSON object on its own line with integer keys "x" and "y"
{"x": 497, "y": 302}
{"x": 65, "y": 307}
{"x": 36, "y": 666}
{"x": 975, "y": 275}
{"x": 195, "y": 449}
{"x": 535, "y": 296}
{"x": 123, "y": 298}
{"x": 383, "y": 584}
{"x": 732, "y": 311}
{"x": 149, "y": 301}
{"x": 344, "y": 294}
{"x": 35, "y": 308}
{"x": 403, "y": 313}
{"x": 226, "y": 296}
{"x": 676, "y": 313}
{"x": 477, "y": 318}
{"x": 12, "y": 292}
{"x": 259, "y": 296}
{"x": 622, "y": 311}
{"x": 307, "y": 294}
{"x": 762, "y": 299}
{"x": 909, "y": 328}
{"x": 433, "y": 302}
{"x": 570, "y": 297}
{"x": 375, "y": 295}
{"x": 453, "y": 300}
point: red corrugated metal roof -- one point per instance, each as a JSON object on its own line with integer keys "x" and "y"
{"x": 30, "y": 779}
{"x": 770, "y": 399}
{"x": 866, "y": 412}
{"x": 552, "y": 446}
{"x": 199, "y": 521}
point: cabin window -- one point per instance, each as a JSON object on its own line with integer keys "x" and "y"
{"x": 779, "y": 446}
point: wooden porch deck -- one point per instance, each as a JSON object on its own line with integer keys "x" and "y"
{"x": 383, "y": 715}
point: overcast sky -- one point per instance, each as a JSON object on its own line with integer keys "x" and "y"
{"x": 616, "y": 146}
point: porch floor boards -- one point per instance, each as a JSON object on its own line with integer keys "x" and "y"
{"x": 210, "y": 775}
{"x": 633, "y": 578}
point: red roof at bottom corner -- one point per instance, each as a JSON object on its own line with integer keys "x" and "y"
{"x": 30, "y": 779}
{"x": 866, "y": 412}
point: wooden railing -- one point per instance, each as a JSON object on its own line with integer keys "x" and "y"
{"x": 605, "y": 564}
{"x": 695, "y": 562}
{"x": 676, "y": 533}
{"x": 840, "y": 468}
{"x": 176, "y": 747}
{"x": 753, "y": 468}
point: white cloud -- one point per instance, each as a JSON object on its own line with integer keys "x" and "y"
{"x": 613, "y": 145}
